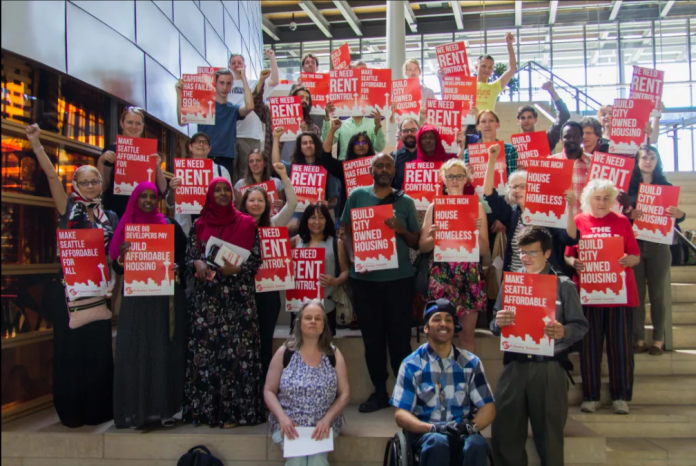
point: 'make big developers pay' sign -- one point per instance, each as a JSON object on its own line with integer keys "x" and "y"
{"x": 309, "y": 267}
{"x": 533, "y": 299}
{"x": 83, "y": 259}
{"x": 374, "y": 243}
{"x": 309, "y": 183}
{"x": 276, "y": 271}
{"x": 149, "y": 263}
{"x": 196, "y": 175}
{"x": 135, "y": 163}
{"x": 655, "y": 225}
{"x": 544, "y": 201}
{"x": 456, "y": 239}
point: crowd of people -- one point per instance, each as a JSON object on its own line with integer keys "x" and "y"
{"x": 205, "y": 354}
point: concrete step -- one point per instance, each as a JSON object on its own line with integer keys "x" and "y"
{"x": 656, "y": 421}
{"x": 41, "y": 440}
{"x": 680, "y": 362}
{"x": 684, "y": 336}
{"x": 683, "y": 292}
{"x": 650, "y": 452}
{"x": 647, "y": 390}
{"x": 685, "y": 180}
{"x": 683, "y": 274}
{"x": 682, "y": 313}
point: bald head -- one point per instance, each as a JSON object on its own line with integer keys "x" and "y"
{"x": 383, "y": 169}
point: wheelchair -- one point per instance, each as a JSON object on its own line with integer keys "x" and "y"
{"x": 399, "y": 452}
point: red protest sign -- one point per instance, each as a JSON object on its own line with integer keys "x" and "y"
{"x": 134, "y": 163}
{"x": 276, "y": 271}
{"x": 196, "y": 175}
{"x": 148, "y": 266}
{"x": 209, "y": 70}
{"x": 612, "y": 167}
{"x": 344, "y": 92}
{"x": 309, "y": 266}
{"x": 374, "y": 243}
{"x": 318, "y": 86}
{"x": 452, "y": 59}
{"x": 463, "y": 89}
{"x": 478, "y": 159}
{"x": 340, "y": 58}
{"x": 533, "y": 299}
{"x": 647, "y": 84}
{"x": 287, "y": 112}
{"x": 375, "y": 89}
{"x": 83, "y": 259}
{"x": 406, "y": 96}
{"x": 603, "y": 280}
{"x": 655, "y": 225}
{"x": 628, "y": 120}
{"x": 357, "y": 173}
{"x": 446, "y": 117}
{"x": 530, "y": 145}
{"x": 270, "y": 188}
{"x": 197, "y": 99}
{"x": 544, "y": 200}
{"x": 422, "y": 182}
{"x": 309, "y": 182}
{"x": 456, "y": 239}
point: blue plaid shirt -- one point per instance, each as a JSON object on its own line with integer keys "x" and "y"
{"x": 437, "y": 390}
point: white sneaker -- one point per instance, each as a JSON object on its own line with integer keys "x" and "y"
{"x": 620, "y": 407}
{"x": 589, "y": 406}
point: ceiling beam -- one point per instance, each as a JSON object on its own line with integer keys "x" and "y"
{"x": 665, "y": 10}
{"x": 553, "y": 9}
{"x": 270, "y": 28}
{"x": 615, "y": 10}
{"x": 457, "y": 12}
{"x": 350, "y": 17}
{"x": 317, "y": 17}
{"x": 410, "y": 16}
{"x": 518, "y": 13}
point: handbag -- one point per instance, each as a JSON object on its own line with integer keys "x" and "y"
{"x": 199, "y": 456}
{"x": 87, "y": 310}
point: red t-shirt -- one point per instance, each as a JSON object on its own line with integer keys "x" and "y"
{"x": 611, "y": 225}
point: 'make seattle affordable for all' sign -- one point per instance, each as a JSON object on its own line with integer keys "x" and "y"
{"x": 136, "y": 162}
{"x": 457, "y": 237}
{"x": 83, "y": 259}
{"x": 533, "y": 299}
{"x": 196, "y": 175}
{"x": 148, "y": 266}
{"x": 309, "y": 267}
{"x": 374, "y": 243}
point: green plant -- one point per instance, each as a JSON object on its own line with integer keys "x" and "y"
{"x": 499, "y": 70}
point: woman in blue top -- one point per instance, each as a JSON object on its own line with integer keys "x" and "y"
{"x": 307, "y": 383}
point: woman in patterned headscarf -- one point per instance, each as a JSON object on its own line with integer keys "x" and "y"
{"x": 83, "y": 359}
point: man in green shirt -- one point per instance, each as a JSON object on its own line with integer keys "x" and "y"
{"x": 352, "y": 126}
{"x": 383, "y": 299}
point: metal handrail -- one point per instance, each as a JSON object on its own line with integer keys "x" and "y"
{"x": 579, "y": 95}
{"x": 683, "y": 239}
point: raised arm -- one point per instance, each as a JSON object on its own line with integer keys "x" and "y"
{"x": 160, "y": 180}
{"x": 376, "y": 133}
{"x": 488, "y": 180}
{"x": 484, "y": 245}
{"x": 275, "y": 153}
{"x": 248, "y": 106}
{"x": 426, "y": 243}
{"x": 57, "y": 191}
{"x": 512, "y": 61}
{"x": 273, "y": 82}
{"x": 179, "y": 87}
{"x": 283, "y": 217}
{"x": 329, "y": 139}
{"x": 260, "y": 107}
{"x": 652, "y": 138}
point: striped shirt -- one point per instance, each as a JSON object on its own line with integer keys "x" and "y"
{"x": 437, "y": 390}
{"x": 515, "y": 261}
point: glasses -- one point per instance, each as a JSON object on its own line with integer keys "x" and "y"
{"x": 84, "y": 184}
{"x": 361, "y": 143}
{"x": 517, "y": 186}
{"x": 409, "y": 131}
{"x": 455, "y": 177}
{"x": 529, "y": 253}
{"x": 200, "y": 142}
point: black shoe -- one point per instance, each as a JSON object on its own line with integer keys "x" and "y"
{"x": 376, "y": 402}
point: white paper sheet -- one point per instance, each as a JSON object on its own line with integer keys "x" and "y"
{"x": 213, "y": 241}
{"x": 305, "y": 446}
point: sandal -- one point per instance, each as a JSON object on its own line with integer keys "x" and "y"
{"x": 642, "y": 348}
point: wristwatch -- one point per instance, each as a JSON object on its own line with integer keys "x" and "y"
{"x": 472, "y": 428}
{"x": 432, "y": 428}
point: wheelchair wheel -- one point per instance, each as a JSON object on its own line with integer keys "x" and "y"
{"x": 398, "y": 451}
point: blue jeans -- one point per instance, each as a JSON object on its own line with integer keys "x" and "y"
{"x": 438, "y": 450}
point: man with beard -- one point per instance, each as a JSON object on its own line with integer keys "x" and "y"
{"x": 571, "y": 135}
{"x": 436, "y": 392}
{"x": 408, "y": 128}
{"x": 383, "y": 298}
{"x": 264, "y": 113}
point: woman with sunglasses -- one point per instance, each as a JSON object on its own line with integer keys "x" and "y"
{"x": 132, "y": 124}
{"x": 83, "y": 364}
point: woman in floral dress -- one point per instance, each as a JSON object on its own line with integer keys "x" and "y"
{"x": 460, "y": 282}
{"x": 223, "y": 367}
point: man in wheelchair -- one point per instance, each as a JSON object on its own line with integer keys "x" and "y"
{"x": 436, "y": 392}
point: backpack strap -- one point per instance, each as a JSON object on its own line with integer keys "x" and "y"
{"x": 332, "y": 360}
{"x": 391, "y": 198}
{"x": 337, "y": 263}
{"x": 287, "y": 356}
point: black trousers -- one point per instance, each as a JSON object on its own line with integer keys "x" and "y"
{"x": 268, "y": 308}
{"x": 384, "y": 315}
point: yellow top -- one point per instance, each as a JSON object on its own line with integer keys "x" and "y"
{"x": 487, "y": 95}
